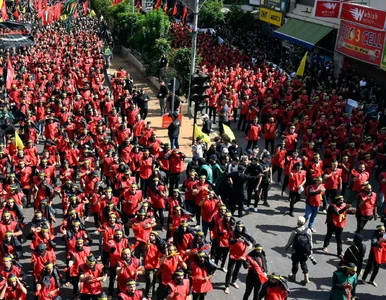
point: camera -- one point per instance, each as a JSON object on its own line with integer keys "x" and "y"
{"x": 312, "y": 259}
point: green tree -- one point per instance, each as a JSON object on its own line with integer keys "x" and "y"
{"x": 238, "y": 18}
{"x": 101, "y": 7}
{"x": 123, "y": 23}
{"x": 179, "y": 61}
{"x": 152, "y": 35}
{"x": 210, "y": 13}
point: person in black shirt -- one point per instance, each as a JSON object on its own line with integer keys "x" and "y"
{"x": 238, "y": 180}
{"x": 143, "y": 103}
{"x": 206, "y": 124}
{"x": 262, "y": 193}
{"x": 254, "y": 169}
{"x": 174, "y": 130}
{"x": 235, "y": 150}
{"x": 163, "y": 92}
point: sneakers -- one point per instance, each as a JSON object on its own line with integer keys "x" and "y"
{"x": 223, "y": 269}
{"x": 266, "y": 204}
{"x": 369, "y": 282}
{"x": 255, "y": 209}
{"x": 245, "y": 207}
{"x": 292, "y": 278}
{"x": 291, "y": 214}
{"x": 313, "y": 230}
{"x": 235, "y": 285}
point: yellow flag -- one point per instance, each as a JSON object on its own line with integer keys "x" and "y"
{"x": 228, "y": 132}
{"x": 19, "y": 143}
{"x": 199, "y": 133}
{"x": 302, "y": 66}
{"x": 92, "y": 13}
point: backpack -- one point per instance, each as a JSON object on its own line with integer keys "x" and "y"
{"x": 302, "y": 243}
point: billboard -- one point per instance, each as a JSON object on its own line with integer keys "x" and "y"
{"x": 279, "y": 5}
{"x": 361, "y": 43}
{"x": 327, "y": 9}
{"x": 363, "y": 15}
{"x": 271, "y": 16}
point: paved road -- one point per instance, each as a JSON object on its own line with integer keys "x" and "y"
{"x": 270, "y": 227}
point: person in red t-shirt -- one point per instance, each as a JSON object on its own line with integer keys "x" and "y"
{"x": 332, "y": 182}
{"x": 270, "y": 133}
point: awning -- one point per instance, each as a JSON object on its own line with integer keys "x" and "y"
{"x": 303, "y": 33}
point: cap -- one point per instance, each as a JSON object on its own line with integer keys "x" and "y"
{"x": 301, "y": 221}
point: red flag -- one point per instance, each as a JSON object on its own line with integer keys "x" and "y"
{"x": 57, "y": 11}
{"x": 158, "y": 4}
{"x": 45, "y": 3}
{"x": 184, "y": 13}
{"x": 17, "y": 14}
{"x": 50, "y": 16}
{"x": 4, "y": 14}
{"x": 40, "y": 9}
{"x": 85, "y": 7}
{"x": 166, "y": 8}
{"x": 10, "y": 74}
{"x": 175, "y": 9}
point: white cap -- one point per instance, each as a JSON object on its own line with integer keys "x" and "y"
{"x": 301, "y": 221}
{"x": 225, "y": 150}
{"x": 205, "y": 116}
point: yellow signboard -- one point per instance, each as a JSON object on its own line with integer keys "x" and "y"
{"x": 271, "y": 16}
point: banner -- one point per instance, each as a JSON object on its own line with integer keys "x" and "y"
{"x": 271, "y": 16}
{"x": 380, "y": 253}
{"x": 166, "y": 120}
{"x": 327, "y": 9}
{"x": 361, "y": 43}
{"x": 363, "y": 15}
{"x": 14, "y": 34}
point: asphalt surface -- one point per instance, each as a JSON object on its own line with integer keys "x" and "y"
{"x": 270, "y": 227}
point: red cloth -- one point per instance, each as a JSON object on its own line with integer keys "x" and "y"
{"x": 10, "y": 73}
{"x": 380, "y": 253}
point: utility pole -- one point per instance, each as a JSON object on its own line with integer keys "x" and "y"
{"x": 194, "y": 49}
{"x": 133, "y": 5}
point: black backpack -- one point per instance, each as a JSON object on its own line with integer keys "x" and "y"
{"x": 302, "y": 243}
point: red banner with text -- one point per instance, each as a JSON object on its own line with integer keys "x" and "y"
{"x": 361, "y": 43}
{"x": 327, "y": 9}
{"x": 363, "y": 15}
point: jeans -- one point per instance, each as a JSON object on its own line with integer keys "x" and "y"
{"x": 162, "y": 105}
{"x": 174, "y": 142}
{"x": 205, "y": 227}
{"x": 381, "y": 203}
{"x": 311, "y": 213}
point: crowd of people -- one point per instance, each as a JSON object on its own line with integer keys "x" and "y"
{"x": 101, "y": 160}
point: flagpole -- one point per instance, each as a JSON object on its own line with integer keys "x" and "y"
{"x": 133, "y": 4}
{"x": 194, "y": 49}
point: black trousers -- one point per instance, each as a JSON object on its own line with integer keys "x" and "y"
{"x": 112, "y": 275}
{"x": 190, "y": 206}
{"x": 331, "y": 194}
{"x": 361, "y": 221}
{"x": 270, "y": 143}
{"x": 75, "y": 286}
{"x": 212, "y": 113}
{"x": 252, "y": 283}
{"x": 222, "y": 254}
{"x": 161, "y": 291}
{"x": 331, "y": 229}
{"x": 262, "y": 193}
{"x": 296, "y": 259}
{"x": 150, "y": 278}
{"x": 159, "y": 214}
{"x": 251, "y": 187}
{"x": 251, "y": 144}
{"x": 174, "y": 182}
{"x": 294, "y": 197}
{"x": 279, "y": 172}
{"x": 373, "y": 266}
{"x": 200, "y": 296}
{"x": 233, "y": 271}
{"x": 285, "y": 183}
{"x": 242, "y": 121}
